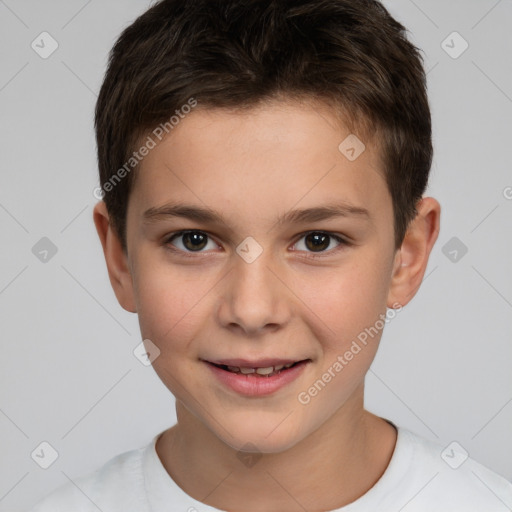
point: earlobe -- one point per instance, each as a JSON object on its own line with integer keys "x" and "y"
{"x": 412, "y": 258}
{"x": 115, "y": 258}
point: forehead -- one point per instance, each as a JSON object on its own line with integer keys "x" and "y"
{"x": 257, "y": 162}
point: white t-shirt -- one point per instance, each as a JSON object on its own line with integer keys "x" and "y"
{"x": 421, "y": 476}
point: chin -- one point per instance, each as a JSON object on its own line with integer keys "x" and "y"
{"x": 259, "y": 434}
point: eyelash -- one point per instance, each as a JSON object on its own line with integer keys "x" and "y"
{"x": 193, "y": 254}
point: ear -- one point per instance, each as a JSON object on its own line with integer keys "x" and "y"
{"x": 116, "y": 259}
{"x": 412, "y": 257}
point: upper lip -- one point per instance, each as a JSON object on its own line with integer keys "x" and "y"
{"x": 258, "y": 363}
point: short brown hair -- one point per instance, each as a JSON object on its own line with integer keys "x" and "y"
{"x": 350, "y": 54}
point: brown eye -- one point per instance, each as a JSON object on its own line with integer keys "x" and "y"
{"x": 190, "y": 241}
{"x": 318, "y": 242}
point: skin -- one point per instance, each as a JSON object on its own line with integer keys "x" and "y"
{"x": 250, "y": 168}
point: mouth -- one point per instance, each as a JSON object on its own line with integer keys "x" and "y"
{"x": 256, "y": 378}
{"x": 265, "y": 370}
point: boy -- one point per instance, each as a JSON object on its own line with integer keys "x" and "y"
{"x": 263, "y": 165}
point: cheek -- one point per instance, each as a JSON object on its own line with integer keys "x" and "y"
{"x": 347, "y": 299}
{"x": 169, "y": 304}
{"x": 354, "y": 305}
{"x": 170, "y": 314}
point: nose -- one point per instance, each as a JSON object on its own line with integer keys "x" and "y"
{"x": 253, "y": 298}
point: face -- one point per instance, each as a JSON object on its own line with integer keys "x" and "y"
{"x": 254, "y": 243}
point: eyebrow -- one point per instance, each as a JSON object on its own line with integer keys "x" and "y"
{"x": 207, "y": 215}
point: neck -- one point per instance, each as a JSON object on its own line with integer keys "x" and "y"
{"x": 341, "y": 461}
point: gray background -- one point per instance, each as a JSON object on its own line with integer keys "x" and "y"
{"x": 67, "y": 372}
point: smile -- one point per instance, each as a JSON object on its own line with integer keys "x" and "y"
{"x": 267, "y": 371}
{"x": 256, "y": 378}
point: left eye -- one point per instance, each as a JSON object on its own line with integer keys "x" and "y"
{"x": 317, "y": 241}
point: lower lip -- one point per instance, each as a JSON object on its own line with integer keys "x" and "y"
{"x": 252, "y": 385}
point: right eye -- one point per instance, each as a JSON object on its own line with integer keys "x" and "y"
{"x": 190, "y": 241}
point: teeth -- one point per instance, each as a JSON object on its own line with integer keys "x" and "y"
{"x": 265, "y": 371}
{"x": 270, "y": 370}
